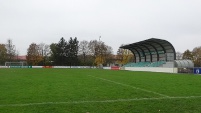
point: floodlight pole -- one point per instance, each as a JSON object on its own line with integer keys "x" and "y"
{"x": 99, "y": 38}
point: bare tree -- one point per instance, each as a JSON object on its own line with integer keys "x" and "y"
{"x": 11, "y": 51}
{"x": 92, "y": 49}
{"x": 83, "y": 48}
{"x": 83, "y": 51}
{"x": 120, "y": 55}
{"x": 101, "y": 52}
{"x": 109, "y": 55}
{"x": 179, "y": 55}
{"x": 44, "y": 51}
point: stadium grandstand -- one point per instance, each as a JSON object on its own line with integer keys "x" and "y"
{"x": 156, "y": 53}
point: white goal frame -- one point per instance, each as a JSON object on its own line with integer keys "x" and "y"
{"x": 15, "y": 64}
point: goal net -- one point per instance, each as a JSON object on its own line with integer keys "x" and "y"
{"x": 15, "y": 64}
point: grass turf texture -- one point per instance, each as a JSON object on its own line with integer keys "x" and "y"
{"x": 97, "y": 91}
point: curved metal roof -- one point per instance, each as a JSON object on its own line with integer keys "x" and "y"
{"x": 151, "y": 50}
{"x": 184, "y": 63}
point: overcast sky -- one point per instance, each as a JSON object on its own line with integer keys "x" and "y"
{"x": 116, "y": 21}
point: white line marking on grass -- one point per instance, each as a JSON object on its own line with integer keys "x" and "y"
{"x": 101, "y": 101}
{"x": 130, "y": 86}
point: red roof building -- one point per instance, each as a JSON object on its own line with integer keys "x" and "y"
{"x": 21, "y": 58}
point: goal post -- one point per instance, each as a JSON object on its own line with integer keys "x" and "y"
{"x": 16, "y": 65}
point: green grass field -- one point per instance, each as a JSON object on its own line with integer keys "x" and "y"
{"x": 97, "y": 91}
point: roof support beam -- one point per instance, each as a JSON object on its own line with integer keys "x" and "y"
{"x": 137, "y": 53}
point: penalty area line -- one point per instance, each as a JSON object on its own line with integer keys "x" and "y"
{"x": 129, "y": 86}
{"x": 101, "y": 101}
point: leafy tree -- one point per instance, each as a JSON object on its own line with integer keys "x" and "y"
{"x": 34, "y": 56}
{"x": 61, "y": 52}
{"x": 83, "y": 53}
{"x": 72, "y": 51}
{"x": 197, "y": 56}
{"x": 53, "y": 53}
{"x": 64, "y": 53}
{"x": 187, "y": 55}
{"x": 99, "y": 60}
{"x": 3, "y": 54}
{"x": 124, "y": 56}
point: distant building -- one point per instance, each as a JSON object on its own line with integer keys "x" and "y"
{"x": 21, "y": 58}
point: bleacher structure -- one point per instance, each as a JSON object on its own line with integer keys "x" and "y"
{"x": 155, "y": 52}
{"x": 145, "y": 64}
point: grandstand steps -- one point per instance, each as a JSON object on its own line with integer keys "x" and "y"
{"x": 148, "y": 64}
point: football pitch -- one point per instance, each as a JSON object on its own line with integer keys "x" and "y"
{"x": 97, "y": 91}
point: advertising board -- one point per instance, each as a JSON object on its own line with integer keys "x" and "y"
{"x": 197, "y": 71}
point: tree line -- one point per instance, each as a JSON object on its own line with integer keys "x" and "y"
{"x": 73, "y": 52}
{"x": 70, "y": 53}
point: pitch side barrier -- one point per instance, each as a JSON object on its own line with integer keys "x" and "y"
{"x": 195, "y": 70}
{"x": 87, "y": 67}
{"x": 47, "y": 67}
{"x": 4, "y": 67}
{"x": 61, "y": 67}
{"x": 15, "y": 66}
{"x": 153, "y": 69}
{"x": 72, "y": 67}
